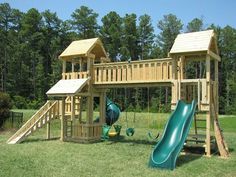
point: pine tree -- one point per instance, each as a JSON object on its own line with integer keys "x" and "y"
{"x": 146, "y": 36}
{"x": 130, "y": 48}
{"x": 170, "y": 27}
{"x": 111, "y": 32}
{"x": 195, "y": 25}
{"x": 84, "y": 21}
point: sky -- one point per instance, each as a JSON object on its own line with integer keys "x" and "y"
{"x": 219, "y": 12}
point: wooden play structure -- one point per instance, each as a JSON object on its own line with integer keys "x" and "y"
{"x": 87, "y": 73}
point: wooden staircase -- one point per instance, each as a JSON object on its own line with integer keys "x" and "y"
{"x": 45, "y": 114}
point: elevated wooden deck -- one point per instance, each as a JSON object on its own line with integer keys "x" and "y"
{"x": 129, "y": 74}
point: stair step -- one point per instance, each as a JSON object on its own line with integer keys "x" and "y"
{"x": 199, "y": 138}
{"x": 204, "y": 120}
{"x": 195, "y": 140}
{"x": 201, "y": 127}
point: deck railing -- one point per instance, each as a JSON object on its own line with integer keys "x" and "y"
{"x": 125, "y": 72}
{"x": 136, "y": 71}
{"x": 74, "y": 75}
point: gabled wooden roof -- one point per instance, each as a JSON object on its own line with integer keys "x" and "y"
{"x": 196, "y": 42}
{"x": 82, "y": 48}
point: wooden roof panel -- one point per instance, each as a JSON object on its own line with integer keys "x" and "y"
{"x": 192, "y": 42}
{"x": 82, "y": 48}
{"x": 67, "y": 87}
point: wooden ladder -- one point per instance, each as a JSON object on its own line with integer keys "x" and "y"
{"x": 199, "y": 138}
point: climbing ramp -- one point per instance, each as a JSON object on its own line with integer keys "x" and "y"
{"x": 47, "y": 113}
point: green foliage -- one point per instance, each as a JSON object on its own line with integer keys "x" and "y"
{"x": 111, "y": 32}
{"x": 146, "y": 36}
{"x": 31, "y": 42}
{"x": 19, "y": 102}
{"x": 170, "y": 27}
{"x": 84, "y": 20}
{"x": 130, "y": 39}
{"x": 5, "y": 106}
{"x": 195, "y": 25}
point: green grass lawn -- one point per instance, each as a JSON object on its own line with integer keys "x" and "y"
{"x": 127, "y": 156}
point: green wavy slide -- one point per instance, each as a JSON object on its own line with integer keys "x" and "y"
{"x": 166, "y": 151}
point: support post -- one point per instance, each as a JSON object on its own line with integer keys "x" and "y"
{"x": 216, "y": 86}
{"x": 102, "y": 107}
{"x": 208, "y": 114}
{"x": 48, "y": 124}
{"x": 72, "y": 108}
{"x": 63, "y": 125}
{"x": 48, "y": 130}
{"x": 72, "y": 67}
{"x": 64, "y": 66}
{"x": 80, "y": 109}
{"x": 90, "y": 99}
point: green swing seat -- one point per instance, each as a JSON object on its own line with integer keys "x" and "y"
{"x": 106, "y": 133}
{"x": 130, "y": 131}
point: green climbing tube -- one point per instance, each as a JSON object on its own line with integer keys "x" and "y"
{"x": 177, "y": 128}
{"x": 112, "y": 112}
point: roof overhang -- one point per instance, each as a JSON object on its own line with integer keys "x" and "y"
{"x": 67, "y": 87}
{"x": 196, "y": 43}
{"x": 82, "y": 49}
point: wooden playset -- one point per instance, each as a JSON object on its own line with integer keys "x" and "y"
{"x": 87, "y": 73}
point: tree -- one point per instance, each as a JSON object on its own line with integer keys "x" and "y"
{"x": 129, "y": 48}
{"x": 8, "y": 22}
{"x": 33, "y": 38}
{"x": 84, "y": 21}
{"x": 170, "y": 27}
{"x": 111, "y": 32}
{"x": 51, "y": 46}
{"x": 5, "y": 106}
{"x": 227, "y": 41}
{"x": 146, "y": 36}
{"x": 195, "y": 25}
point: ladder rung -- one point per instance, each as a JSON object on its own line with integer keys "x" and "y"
{"x": 201, "y": 120}
{"x": 196, "y": 140}
{"x": 201, "y": 127}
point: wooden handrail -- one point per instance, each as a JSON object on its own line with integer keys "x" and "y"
{"x": 138, "y": 71}
{"x": 135, "y": 62}
{"x": 36, "y": 117}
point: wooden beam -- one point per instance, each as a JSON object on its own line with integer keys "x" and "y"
{"x": 64, "y": 66}
{"x": 72, "y": 108}
{"x": 142, "y": 84}
{"x": 48, "y": 130}
{"x": 213, "y": 55}
{"x": 72, "y": 67}
{"x": 217, "y": 87}
{"x": 63, "y": 125}
{"x": 102, "y": 107}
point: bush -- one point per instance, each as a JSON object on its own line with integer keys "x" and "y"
{"x": 5, "y": 106}
{"x": 20, "y": 102}
{"x": 35, "y": 104}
